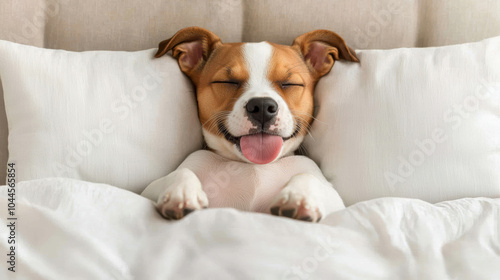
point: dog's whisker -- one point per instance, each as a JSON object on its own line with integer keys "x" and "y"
{"x": 304, "y": 125}
{"x": 217, "y": 116}
{"x": 310, "y": 134}
{"x": 214, "y": 121}
{"x": 308, "y": 115}
{"x": 305, "y": 121}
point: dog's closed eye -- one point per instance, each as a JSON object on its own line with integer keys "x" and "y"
{"x": 230, "y": 82}
{"x": 288, "y": 85}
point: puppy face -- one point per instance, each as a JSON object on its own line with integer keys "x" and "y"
{"x": 255, "y": 100}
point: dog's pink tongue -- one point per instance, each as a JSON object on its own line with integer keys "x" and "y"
{"x": 261, "y": 148}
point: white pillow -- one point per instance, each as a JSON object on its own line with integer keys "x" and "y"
{"x": 420, "y": 123}
{"x": 120, "y": 118}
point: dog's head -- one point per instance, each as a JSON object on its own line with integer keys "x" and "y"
{"x": 255, "y": 100}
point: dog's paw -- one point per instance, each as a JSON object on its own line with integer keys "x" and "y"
{"x": 178, "y": 201}
{"x": 297, "y": 203}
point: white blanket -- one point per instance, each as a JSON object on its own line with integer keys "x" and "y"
{"x": 68, "y": 229}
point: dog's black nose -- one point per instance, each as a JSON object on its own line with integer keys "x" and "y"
{"x": 262, "y": 109}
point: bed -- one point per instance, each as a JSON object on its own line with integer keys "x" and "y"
{"x": 418, "y": 176}
{"x": 104, "y": 232}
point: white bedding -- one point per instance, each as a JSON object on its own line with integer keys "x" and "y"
{"x": 69, "y": 229}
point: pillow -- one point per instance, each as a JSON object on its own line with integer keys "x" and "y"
{"x": 120, "y": 118}
{"x": 420, "y": 123}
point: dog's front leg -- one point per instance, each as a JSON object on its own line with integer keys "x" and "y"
{"x": 177, "y": 194}
{"x": 306, "y": 197}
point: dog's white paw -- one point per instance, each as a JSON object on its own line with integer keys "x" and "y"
{"x": 179, "y": 201}
{"x": 298, "y": 200}
{"x": 182, "y": 196}
{"x": 296, "y": 204}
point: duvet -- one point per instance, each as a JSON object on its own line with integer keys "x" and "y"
{"x": 69, "y": 229}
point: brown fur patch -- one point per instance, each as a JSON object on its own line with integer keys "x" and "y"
{"x": 225, "y": 64}
{"x": 288, "y": 67}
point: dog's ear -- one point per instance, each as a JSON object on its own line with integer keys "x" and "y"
{"x": 191, "y": 47}
{"x": 321, "y": 48}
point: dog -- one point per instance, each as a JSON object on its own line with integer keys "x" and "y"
{"x": 255, "y": 104}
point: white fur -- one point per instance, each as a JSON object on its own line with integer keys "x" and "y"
{"x": 249, "y": 187}
{"x": 179, "y": 190}
{"x": 257, "y": 58}
{"x": 309, "y": 196}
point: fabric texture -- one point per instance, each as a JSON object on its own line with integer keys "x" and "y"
{"x": 128, "y": 25}
{"x": 70, "y": 229}
{"x": 418, "y": 123}
{"x": 122, "y": 118}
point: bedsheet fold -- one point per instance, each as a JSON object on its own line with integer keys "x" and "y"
{"x": 70, "y": 229}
